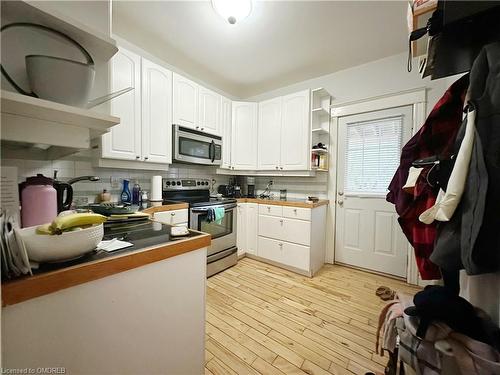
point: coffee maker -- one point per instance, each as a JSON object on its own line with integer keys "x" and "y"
{"x": 247, "y": 186}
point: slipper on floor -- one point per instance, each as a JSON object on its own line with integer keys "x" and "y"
{"x": 388, "y": 295}
{"x": 381, "y": 290}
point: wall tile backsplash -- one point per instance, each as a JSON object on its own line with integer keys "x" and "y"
{"x": 68, "y": 168}
{"x": 297, "y": 187}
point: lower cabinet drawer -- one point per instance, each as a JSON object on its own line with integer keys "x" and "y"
{"x": 270, "y": 209}
{"x": 297, "y": 256}
{"x": 175, "y": 217}
{"x": 297, "y": 213}
{"x": 283, "y": 252}
{"x": 269, "y": 249}
{"x": 290, "y": 230}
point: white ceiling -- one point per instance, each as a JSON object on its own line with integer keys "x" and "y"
{"x": 280, "y": 43}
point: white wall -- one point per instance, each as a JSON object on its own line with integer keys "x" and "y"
{"x": 381, "y": 77}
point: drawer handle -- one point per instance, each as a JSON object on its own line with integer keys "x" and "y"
{"x": 172, "y": 213}
{"x": 280, "y": 244}
{"x": 295, "y": 210}
{"x": 281, "y": 221}
{"x": 268, "y": 208}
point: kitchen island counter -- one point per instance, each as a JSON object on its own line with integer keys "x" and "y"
{"x": 53, "y": 277}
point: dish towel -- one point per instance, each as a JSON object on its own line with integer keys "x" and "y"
{"x": 219, "y": 214}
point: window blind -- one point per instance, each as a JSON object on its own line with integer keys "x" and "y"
{"x": 372, "y": 154}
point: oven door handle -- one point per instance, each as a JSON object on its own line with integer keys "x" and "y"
{"x": 203, "y": 210}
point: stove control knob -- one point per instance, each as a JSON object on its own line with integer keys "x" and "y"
{"x": 206, "y": 182}
{"x": 168, "y": 183}
{"x": 178, "y": 183}
{"x": 198, "y": 183}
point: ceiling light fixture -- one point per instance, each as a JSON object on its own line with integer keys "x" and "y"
{"x": 233, "y": 10}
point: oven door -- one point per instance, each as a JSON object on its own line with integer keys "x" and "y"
{"x": 192, "y": 146}
{"x": 223, "y": 233}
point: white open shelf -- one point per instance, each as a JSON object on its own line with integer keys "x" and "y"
{"x": 100, "y": 46}
{"x": 319, "y": 151}
{"x": 321, "y": 111}
{"x": 62, "y": 128}
{"x": 320, "y": 131}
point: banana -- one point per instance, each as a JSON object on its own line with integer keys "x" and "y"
{"x": 66, "y": 222}
{"x": 44, "y": 229}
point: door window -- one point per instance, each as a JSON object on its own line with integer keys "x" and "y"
{"x": 195, "y": 148}
{"x": 372, "y": 154}
{"x": 215, "y": 229}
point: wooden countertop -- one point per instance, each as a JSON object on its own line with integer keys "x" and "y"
{"x": 166, "y": 207}
{"x": 38, "y": 285}
{"x": 288, "y": 202}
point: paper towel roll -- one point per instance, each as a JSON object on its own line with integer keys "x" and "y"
{"x": 156, "y": 189}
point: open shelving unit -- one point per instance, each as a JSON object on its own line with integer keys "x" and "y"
{"x": 43, "y": 129}
{"x": 320, "y": 129}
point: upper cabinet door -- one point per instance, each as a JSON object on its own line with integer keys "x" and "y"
{"x": 185, "y": 111}
{"x": 295, "y": 131}
{"x": 244, "y": 136}
{"x": 124, "y": 139}
{"x": 225, "y": 130}
{"x": 269, "y": 134}
{"x": 156, "y": 113}
{"x": 209, "y": 111}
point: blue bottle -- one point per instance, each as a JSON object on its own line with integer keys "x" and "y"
{"x": 125, "y": 196}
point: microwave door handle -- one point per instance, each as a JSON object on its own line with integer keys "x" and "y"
{"x": 212, "y": 151}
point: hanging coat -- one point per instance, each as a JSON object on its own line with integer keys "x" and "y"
{"x": 471, "y": 240}
{"x": 436, "y": 137}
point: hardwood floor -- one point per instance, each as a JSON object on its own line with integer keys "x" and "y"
{"x": 262, "y": 319}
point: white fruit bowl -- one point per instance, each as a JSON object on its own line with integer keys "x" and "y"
{"x": 56, "y": 248}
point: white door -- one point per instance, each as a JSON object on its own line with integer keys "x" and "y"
{"x": 244, "y": 136}
{"x": 367, "y": 231}
{"x": 252, "y": 216}
{"x": 156, "y": 113}
{"x": 124, "y": 140}
{"x": 209, "y": 111}
{"x": 185, "y": 110}
{"x": 295, "y": 131}
{"x": 269, "y": 134}
{"x": 225, "y": 124}
{"x": 241, "y": 228}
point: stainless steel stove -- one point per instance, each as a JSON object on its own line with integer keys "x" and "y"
{"x": 222, "y": 253}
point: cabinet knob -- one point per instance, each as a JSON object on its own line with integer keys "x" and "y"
{"x": 137, "y": 157}
{"x": 281, "y": 221}
{"x": 172, "y": 213}
{"x": 281, "y": 167}
{"x": 197, "y": 127}
{"x": 268, "y": 208}
{"x": 202, "y": 128}
{"x": 146, "y": 157}
{"x": 280, "y": 244}
{"x": 295, "y": 210}
{"x": 277, "y": 167}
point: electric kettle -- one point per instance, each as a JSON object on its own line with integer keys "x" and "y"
{"x": 38, "y": 201}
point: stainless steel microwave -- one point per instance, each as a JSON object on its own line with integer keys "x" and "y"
{"x": 194, "y": 146}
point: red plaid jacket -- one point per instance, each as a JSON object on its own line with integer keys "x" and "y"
{"x": 436, "y": 137}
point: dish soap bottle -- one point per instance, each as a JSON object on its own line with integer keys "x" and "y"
{"x": 125, "y": 196}
{"x": 136, "y": 193}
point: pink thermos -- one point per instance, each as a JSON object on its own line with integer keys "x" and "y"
{"x": 38, "y": 201}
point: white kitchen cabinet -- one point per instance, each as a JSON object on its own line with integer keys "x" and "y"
{"x": 293, "y": 237}
{"x": 209, "y": 111}
{"x": 173, "y": 217}
{"x": 247, "y": 228}
{"x": 225, "y": 130}
{"x": 296, "y": 130}
{"x": 185, "y": 110}
{"x": 244, "y": 136}
{"x": 124, "y": 140}
{"x": 269, "y": 134}
{"x": 156, "y": 113}
{"x": 241, "y": 228}
{"x": 252, "y": 220}
{"x": 145, "y": 130}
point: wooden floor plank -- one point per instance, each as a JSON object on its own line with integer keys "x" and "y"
{"x": 262, "y": 319}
